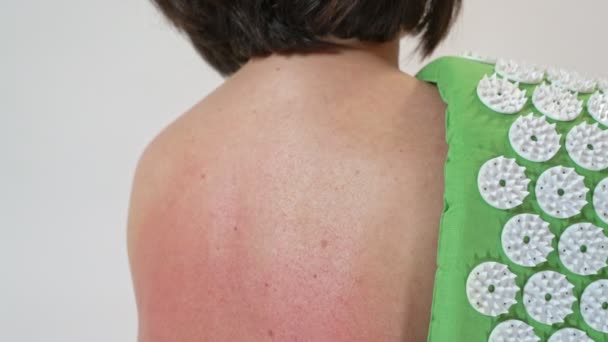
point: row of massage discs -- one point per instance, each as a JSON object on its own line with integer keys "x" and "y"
{"x": 560, "y": 191}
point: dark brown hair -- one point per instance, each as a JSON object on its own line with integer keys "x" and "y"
{"x": 227, "y": 33}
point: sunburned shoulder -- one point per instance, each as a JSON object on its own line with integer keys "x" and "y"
{"x": 247, "y": 136}
{"x": 245, "y": 219}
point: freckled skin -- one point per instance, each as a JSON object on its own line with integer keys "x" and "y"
{"x": 305, "y": 208}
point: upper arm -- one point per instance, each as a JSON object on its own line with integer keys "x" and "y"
{"x": 145, "y": 183}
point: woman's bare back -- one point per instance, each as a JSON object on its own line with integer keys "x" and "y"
{"x": 292, "y": 206}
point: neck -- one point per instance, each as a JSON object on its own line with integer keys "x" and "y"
{"x": 387, "y": 53}
{"x": 351, "y": 54}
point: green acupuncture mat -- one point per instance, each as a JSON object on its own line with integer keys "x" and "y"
{"x": 523, "y": 247}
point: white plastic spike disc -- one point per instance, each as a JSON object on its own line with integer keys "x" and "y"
{"x": 561, "y": 192}
{"x": 491, "y": 288}
{"x": 597, "y": 105}
{"x": 519, "y": 71}
{"x": 513, "y": 330}
{"x": 500, "y": 95}
{"x": 477, "y": 57}
{"x": 556, "y": 102}
{"x": 548, "y": 297}
{"x": 526, "y": 240}
{"x": 571, "y": 80}
{"x": 583, "y": 248}
{"x": 569, "y": 335}
{"x": 502, "y": 183}
{"x": 600, "y": 200}
{"x": 594, "y": 305}
{"x": 587, "y": 145}
{"x": 533, "y": 138}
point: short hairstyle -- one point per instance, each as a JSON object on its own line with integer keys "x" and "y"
{"x": 227, "y": 33}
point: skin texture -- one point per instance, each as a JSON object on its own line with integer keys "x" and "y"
{"x": 300, "y": 201}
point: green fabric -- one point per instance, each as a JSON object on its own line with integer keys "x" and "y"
{"x": 470, "y": 231}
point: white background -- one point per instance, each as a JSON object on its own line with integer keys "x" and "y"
{"x": 84, "y": 85}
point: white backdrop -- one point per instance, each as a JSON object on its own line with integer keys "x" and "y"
{"x": 84, "y": 85}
